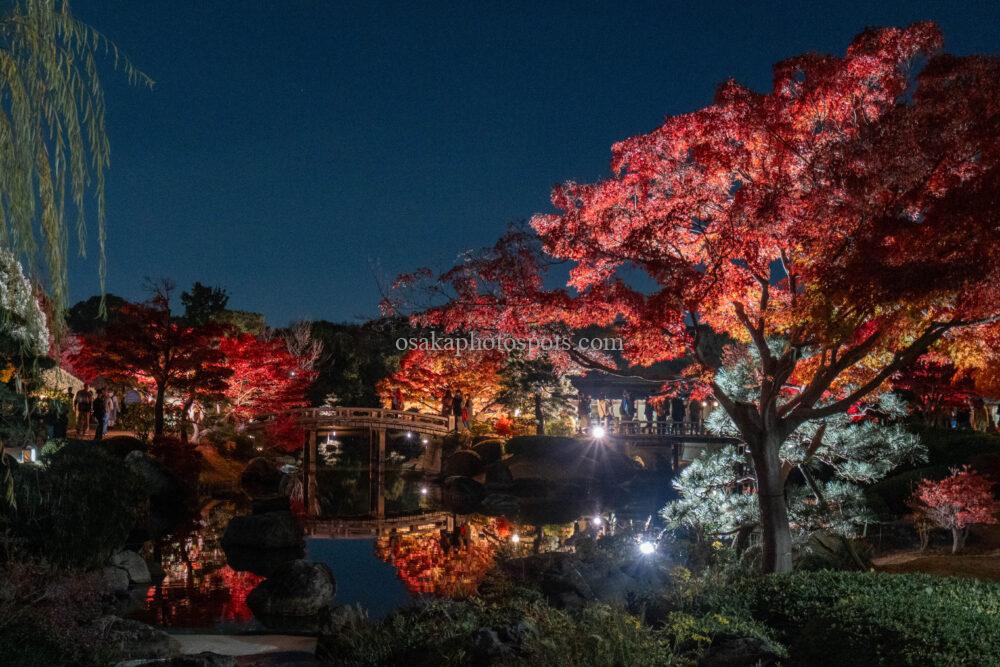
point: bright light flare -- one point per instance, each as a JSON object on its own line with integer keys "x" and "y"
{"x": 423, "y": 490}
{"x": 598, "y": 432}
{"x": 597, "y": 521}
{"x": 515, "y": 538}
{"x": 647, "y": 548}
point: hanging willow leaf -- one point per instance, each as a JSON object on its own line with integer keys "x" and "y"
{"x": 53, "y": 146}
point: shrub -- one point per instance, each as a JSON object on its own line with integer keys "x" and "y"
{"x": 529, "y": 632}
{"x": 137, "y": 418}
{"x": 47, "y": 616}
{"x": 181, "y": 459}
{"x": 77, "y": 509}
{"x": 849, "y": 618}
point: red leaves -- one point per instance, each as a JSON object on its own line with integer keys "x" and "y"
{"x": 962, "y": 499}
{"x": 266, "y": 377}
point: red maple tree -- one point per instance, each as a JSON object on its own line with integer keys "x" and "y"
{"x": 425, "y": 375}
{"x": 266, "y": 377}
{"x": 842, "y": 224}
{"x": 146, "y": 344}
{"x": 956, "y": 502}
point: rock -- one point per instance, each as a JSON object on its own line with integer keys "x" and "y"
{"x": 269, "y": 504}
{"x": 463, "y": 492}
{"x": 131, "y": 640}
{"x": 262, "y": 562}
{"x": 500, "y": 504}
{"x": 134, "y": 566}
{"x": 486, "y": 643}
{"x": 261, "y": 478}
{"x": 489, "y": 451}
{"x": 156, "y": 480}
{"x": 272, "y": 530}
{"x": 739, "y": 652}
{"x": 569, "y": 581}
{"x": 116, "y": 579}
{"x": 498, "y": 474}
{"x": 463, "y": 463}
{"x": 343, "y": 617}
{"x": 296, "y": 589}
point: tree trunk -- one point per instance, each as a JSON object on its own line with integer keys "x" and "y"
{"x": 956, "y": 538}
{"x": 539, "y": 416}
{"x": 776, "y": 537}
{"x": 161, "y": 393}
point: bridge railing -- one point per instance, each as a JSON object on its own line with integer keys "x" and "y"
{"x": 624, "y": 427}
{"x": 394, "y": 419}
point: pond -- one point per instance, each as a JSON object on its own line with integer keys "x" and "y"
{"x": 201, "y": 593}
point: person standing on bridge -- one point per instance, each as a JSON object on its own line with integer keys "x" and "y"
{"x": 695, "y": 416}
{"x": 456, "y": 408}
{"x": 466, "y": 411}
{"x": 396, "y": 400}
{"x": 661, "y": 416}
{"x": 446, "y": 406}
{"x": 649, "y": 412}
{"x": 677, "y": 413}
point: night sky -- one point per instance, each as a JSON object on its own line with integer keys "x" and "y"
{"x": 292, "y": 151}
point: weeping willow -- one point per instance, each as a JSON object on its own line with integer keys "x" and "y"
{"x": 54, "y": 150}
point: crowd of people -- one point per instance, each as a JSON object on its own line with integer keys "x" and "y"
{"x": 100, "y": 409}
{"x": 660, "y": 414}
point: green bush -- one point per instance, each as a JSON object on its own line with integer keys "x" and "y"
{"x": 78, "y": 508}
{"x": 48, "y": 616}
{"x": 888, "y": 497}
{"x": 849, "y": 618}
{"x": 451, "y": 633}
{"x": 951, "y": 447}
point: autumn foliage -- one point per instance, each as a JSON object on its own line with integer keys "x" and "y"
{"x": 843, "y": 223}
{"x": 425, "y": 375}
{"x": 962, "y": 499}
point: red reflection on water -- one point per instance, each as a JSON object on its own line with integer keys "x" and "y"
{"x": 437, "y": 564}
{"x": 199, "y": 590}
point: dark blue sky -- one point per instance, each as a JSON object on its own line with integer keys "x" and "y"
{"x": 291, "y": 148}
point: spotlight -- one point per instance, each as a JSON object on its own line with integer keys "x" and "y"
{"x": 597, "y": 521}
{"x": 704, "y": 403}
{"x": 515, "y": 538}
{"x": 646, "y": 548}
{"x": 423, "y": 490}
{"x": 424, "y": 441}
{"x": 598, "y": 432}
{"x": 517, "y": 412}
{"x": 409, "y": 435}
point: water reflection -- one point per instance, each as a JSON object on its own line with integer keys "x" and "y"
{"x": 199, "y": 589}
{"x": 388, "y": 544}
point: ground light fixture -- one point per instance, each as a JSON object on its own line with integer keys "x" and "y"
{"x": 423, "y": 490}
{"x": 515, "y": 538}
{"x": 424, "y": 441}
{"x": 646, "y": 548}
{"x": 409, "y": 434}
{"x": 598, "y": 432}
{"x": 597, "y": 521}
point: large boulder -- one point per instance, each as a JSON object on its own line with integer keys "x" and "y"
{"x": 115, "y": 579}
{"x": 261, "y": 478}
{"x": 501, "y": 504}
{"x": 463, "y": 463}
{"x": 134, "y": 640}
{"x": 271, "y": 530}
{"x": 298, "y": 589}
{"x": 463, "y": 493}
{"x": 262, "y": 562}
{"x": 133, "y": 565}
{"x": 498, "y": 474}
{"x": 157, "y": 482}
{"x": 490, "y": 451}
{"x": 570, "y": 581}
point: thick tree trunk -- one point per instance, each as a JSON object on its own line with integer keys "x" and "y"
{"x": 158, "y": 422}
{"x": 776, "y": 538}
